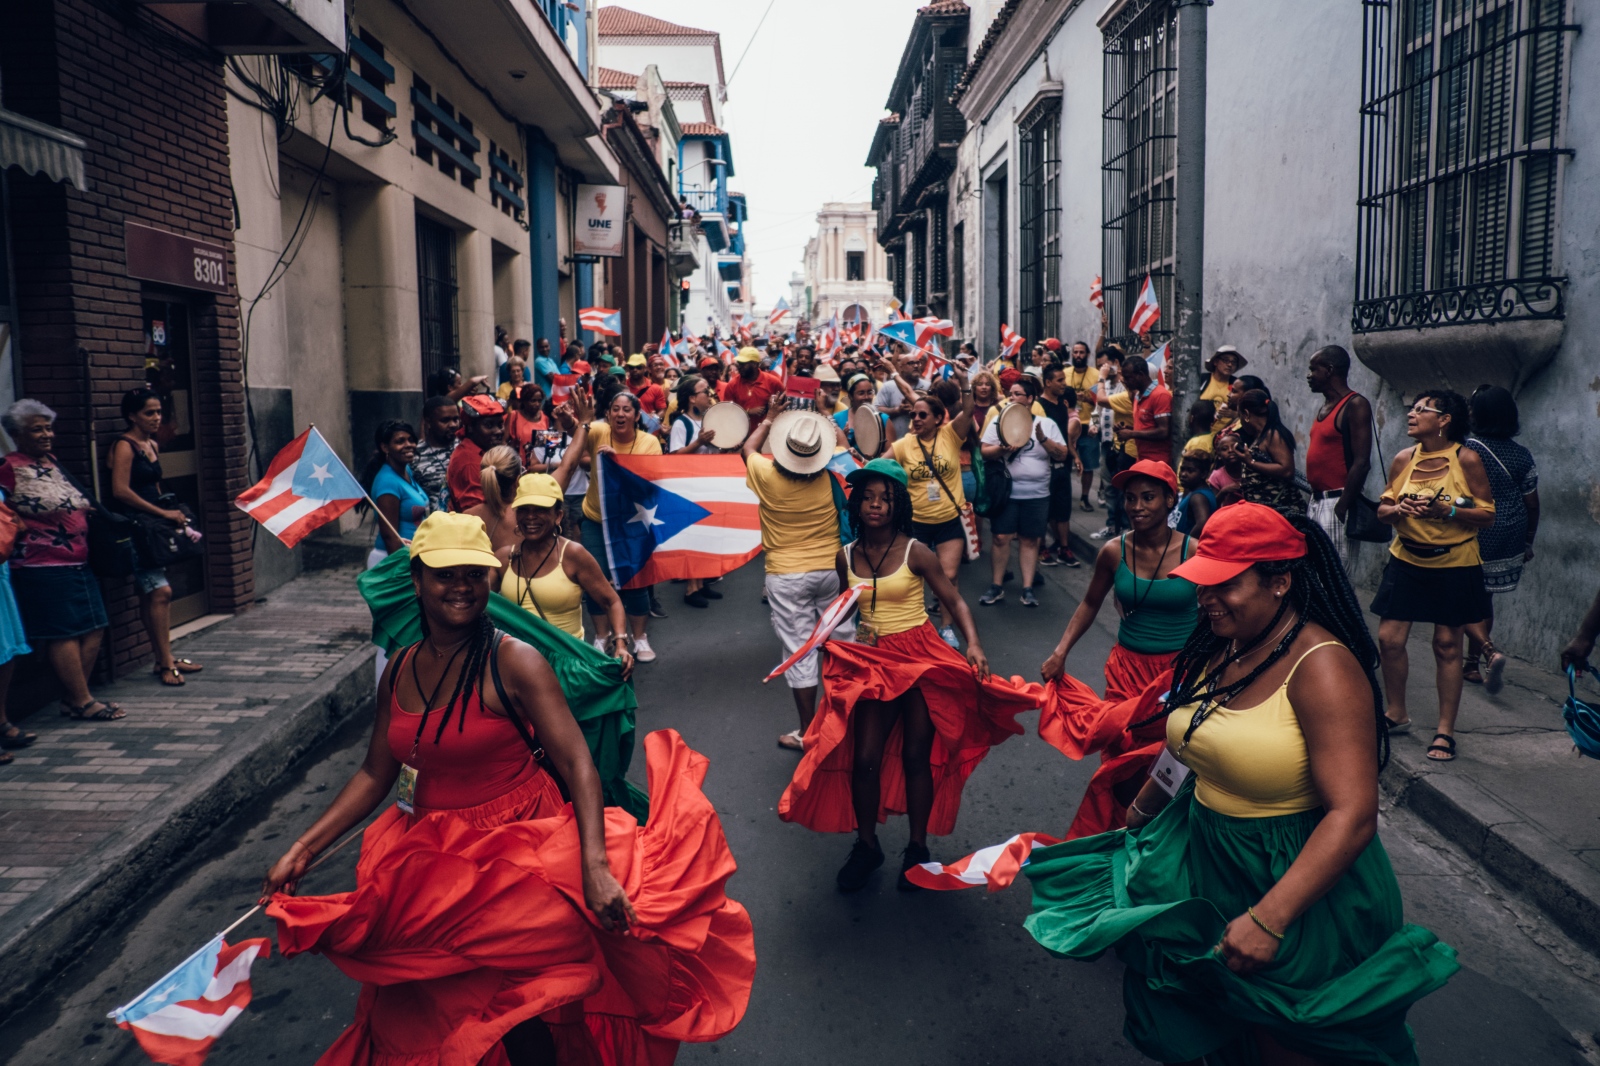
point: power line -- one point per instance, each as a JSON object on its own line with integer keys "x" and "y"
{"x": 748, "y": 43}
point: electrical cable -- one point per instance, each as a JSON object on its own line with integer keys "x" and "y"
{"x": 748, "y": 43}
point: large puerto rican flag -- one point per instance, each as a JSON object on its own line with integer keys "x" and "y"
{"x": 606, "y": 321}
{"x": 306, "y": 487}
{"x": 667, "y": 517}
{"x": 179, "y": 1018}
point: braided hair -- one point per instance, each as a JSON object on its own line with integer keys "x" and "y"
{"x": 899, "y": 507}
{"x": 474, "y": 658}
{"x": 1320, "y": 592}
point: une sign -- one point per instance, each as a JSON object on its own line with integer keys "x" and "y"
{"x": 174, "y": 259}
{"x": 602, "y": 210}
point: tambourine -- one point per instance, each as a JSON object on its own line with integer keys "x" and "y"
{"x": 728, "y": 423}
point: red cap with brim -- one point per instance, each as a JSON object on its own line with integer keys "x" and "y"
{"x": 1150, "y": 468}
{"x": 1237, "y": 537}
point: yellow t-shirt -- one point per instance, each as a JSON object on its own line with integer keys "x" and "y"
{"x": 930, "y": 500}
{"x": 1200, "y": 442}
{"x": 600, "y": 436}
{"x": 1217, "y": 392}
{"x": 1081, "y": 381}
{"x": 1122, "y": 415}
{"x": 799, "y": 524}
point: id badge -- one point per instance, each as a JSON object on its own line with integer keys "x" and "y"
{"x": 933, "y": 492}
{"x": 405, "y": 795}
{"x": 866, "y": 633}
{"x": 1168, "y": 772}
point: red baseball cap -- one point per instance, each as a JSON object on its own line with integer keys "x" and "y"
{"x": 1052, "y": 343}
{"x": 1235, "y": 538}
{"x": 1150, "y": 468}
{"x": 479, "y": 406}
{"x": 582, "y": 367}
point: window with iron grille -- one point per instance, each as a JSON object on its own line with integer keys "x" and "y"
{"x": 1461, "y": 148}
{"x": 919, "y": 263}
{"x": 1139, "y": 153}
{"x": 444, "y": 134}
{"x": 436, "y": 295}
{"x": 938, "y": 262}
{"x": 1039, "y": 221}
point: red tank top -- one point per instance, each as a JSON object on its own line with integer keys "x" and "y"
{"x": 480, "y": 757}
{"x": 1325, "y": 465}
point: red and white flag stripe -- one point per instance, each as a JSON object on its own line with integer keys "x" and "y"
{"x": 183, "y": 1033}
{"x": 1147, "y": 311}
{"x": 718, "y": 544}
{"x": 833, "y": 617}
{"x": 1097, "y": 295}
{"x": 273, "y": 502}
{"x": 996, "y": 866}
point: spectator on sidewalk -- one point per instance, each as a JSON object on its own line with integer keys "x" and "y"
{"x": 441, "y": 424}
{"x": 449, "y": 382}
{"x": 1339, "y": 453}
{"x": 526, "y": 419}
{"x": 545, "y": 365}
{"x": 1026, "y": 517}
{"x": 1150, "y": 429}
{"x": 13, "y": 646}
{"x": 60, "y": 602}
{"x": 484, "y": 427}
{"x": 1199, "y": 499}
{"x": 391, "y": 482}
{"x": 1198, "y": 435}
{"x": 1508, "y": 544}
{"x": 1575, "y": 656}
{"x": 799, "y": 535}
{"x": 135, "y": 463}
{"x": 1268, "y": 459}
{"x": 516, "y": 375}
{"x": 1113, "y": 407}
{"x": 1060, "y": 405}
{"x": 1224, "y": 363}
{"x": 1438, "y": 498}
{"x": 1081, "y": 378}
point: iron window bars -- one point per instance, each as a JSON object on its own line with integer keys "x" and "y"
{"x": 1139, "y": 130}
{"x": 436, "y": 296}
{"x": 1039, "y": 243}
{"x": 1461, "y": 146}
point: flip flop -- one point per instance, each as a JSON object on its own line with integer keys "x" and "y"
{"x": 792, "y": 741}
{"x": 1442, "y": 743}
{"x": 187, "y": 666}
{"x": 1396, "y": 729}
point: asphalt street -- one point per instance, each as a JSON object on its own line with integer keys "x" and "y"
{"x": 880, "y": 976}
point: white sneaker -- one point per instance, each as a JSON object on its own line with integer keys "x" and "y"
{"x": 642, "y": 652}
{"x": 1101, "y": 534}
{"x": 600, "y": 645}
{"x": 948, "y": 635}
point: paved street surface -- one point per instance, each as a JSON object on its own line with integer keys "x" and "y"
{"x": 930, "y": 978}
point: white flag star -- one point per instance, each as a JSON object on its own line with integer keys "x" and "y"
{"x": 319, "y": 473}
{"x": 645, "y": 515}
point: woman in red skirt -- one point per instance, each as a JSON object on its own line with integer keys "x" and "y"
{"x": 1158, "y": 613}
{"x": 905, "y": 719}
{"x": 493, "y": 921}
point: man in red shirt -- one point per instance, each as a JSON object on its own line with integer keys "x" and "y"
{"x": 484, "y": 427}
{"x": 1151, "y": 431}
{"x": 1339, "y": 453}
{"x": 652, "y": 397}
{"x": 753, "y": 387}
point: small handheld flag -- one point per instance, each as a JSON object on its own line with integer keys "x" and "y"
{"x": 832, "y": 617}
{"x": 561, "y": 387}
{"x": 178, "y": 1019}
{"x": 1147, "y": 311}
{"x": 606, "y": 321}
{"x": 1010, "y": 341}
{"x": 781, "y": 309}
{"x": 1097, "y": 295}
{"x": 305, "y": 487}
{"x": 1157, "y": 361}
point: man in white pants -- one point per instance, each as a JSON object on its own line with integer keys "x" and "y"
{"x": 799, "y": 534}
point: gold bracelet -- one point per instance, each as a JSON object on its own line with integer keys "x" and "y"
{"x": 1265, "y": 928}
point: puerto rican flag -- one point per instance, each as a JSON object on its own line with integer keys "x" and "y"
{"x": 1157, "y": 362}
{"x": 895, "y": 314}
{"x": 1097, "y": 293}
{"x": 667, "y": 351}
{"x": 932, "y": 326}
{"x": 178, "y": 1019}
{"x": 996, "y": 866}
{"x": 606, "y": 321}
{"x": 781, "y": 309}
{"x": 1147, "y": 311}
{"x": 832, "y": 618}
{"x": 561, "y": 387}
{"x": 667, "y": 517}
{"x": 1010, "y": 341}
{"x": 305, "y": 488}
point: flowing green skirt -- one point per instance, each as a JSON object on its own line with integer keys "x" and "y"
{"x": 1161, "y": 897}
{"x": 601, "y": 700}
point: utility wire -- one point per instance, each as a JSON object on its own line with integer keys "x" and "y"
{"x": 748, "y": 43}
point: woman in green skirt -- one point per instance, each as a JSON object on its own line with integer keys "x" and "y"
{"x": 1249, "y": 896}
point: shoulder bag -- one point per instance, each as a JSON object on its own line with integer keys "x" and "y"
{"x": 111, "y": 535}
{"x": 540, "y": 756}
{"x": 1583, "y": 720}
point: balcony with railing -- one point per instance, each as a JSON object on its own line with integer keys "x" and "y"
{"x": 712, "y": 205}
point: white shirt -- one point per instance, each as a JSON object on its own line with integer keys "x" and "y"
{"x": 1030, "y": 466}
{"x": 686, "y": 428}
{"x": 890, "y": 398}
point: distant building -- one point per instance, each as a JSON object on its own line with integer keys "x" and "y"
{"x": 846, "y": 270}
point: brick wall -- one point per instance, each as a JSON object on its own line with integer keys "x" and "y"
{"x": 153, "y": 113}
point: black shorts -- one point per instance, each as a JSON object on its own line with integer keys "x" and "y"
{"x": 1025, "y": 518}
{"x": 936, "y": 533}
{"x": 1445, "y": 596}
{"x": 1061, "y": 489}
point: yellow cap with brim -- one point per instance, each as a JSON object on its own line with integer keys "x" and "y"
{"x": 443, "y": 539}
{"x": 537, "y": 490}
{"x": 637, "y": 360}
{"x": 748, "y": 355}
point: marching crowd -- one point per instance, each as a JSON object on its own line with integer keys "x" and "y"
{"x": 1226, "y": 846}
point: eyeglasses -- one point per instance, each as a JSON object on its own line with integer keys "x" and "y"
{"x": 1422, "y": 408}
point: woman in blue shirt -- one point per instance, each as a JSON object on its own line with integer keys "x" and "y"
{"x": 388, "y": 480}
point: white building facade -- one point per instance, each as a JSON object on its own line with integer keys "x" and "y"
{"x": 846, "y": 271}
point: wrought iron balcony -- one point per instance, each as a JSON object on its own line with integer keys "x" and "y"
{"x": 1495, "y": 301}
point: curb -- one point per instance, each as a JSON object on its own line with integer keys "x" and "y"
{"x": 42, "y": 936}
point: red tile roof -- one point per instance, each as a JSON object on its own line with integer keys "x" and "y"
{"x": 620, "y": 22}
{"x": 615, "y": 79}
{"x": 702, "y": 129}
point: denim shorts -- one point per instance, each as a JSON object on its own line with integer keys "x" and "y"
{"x": 147, "y": 581}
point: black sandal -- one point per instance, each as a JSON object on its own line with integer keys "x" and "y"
{"x": 108, "y": 712}
{"x": 1444, "y": 743}
{"x": 1470, "y": 672}
{"x": 15, "y": 739}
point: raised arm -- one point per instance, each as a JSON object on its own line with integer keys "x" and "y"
{"x": 758, "y": 435}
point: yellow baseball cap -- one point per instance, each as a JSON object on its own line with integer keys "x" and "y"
{"x": 445, "y": 539}
{"x": 748, "y": 355}
{"x": 537, "y": 490}
{"x": 637, "y": 360}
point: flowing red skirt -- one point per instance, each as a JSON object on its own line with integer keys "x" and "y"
{"x": 968, "y": 718}
{"x": 465, "y": 923}
{"x": 1079, "y": 723}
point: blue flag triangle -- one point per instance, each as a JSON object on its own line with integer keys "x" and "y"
{"x": 638, "y": 515}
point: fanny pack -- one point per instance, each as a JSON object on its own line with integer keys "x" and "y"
{"x": 1431, "y": 551}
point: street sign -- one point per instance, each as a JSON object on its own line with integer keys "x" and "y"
{"x": 175, "y": 259}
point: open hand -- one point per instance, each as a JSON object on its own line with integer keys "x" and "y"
{"x": 606, "y": 899}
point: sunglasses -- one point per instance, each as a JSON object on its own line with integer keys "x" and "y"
{"x": 1422, "y": 408}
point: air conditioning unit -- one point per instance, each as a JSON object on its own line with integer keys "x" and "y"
{"x": 260, "y": 27}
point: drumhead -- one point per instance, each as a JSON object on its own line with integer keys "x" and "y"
{"x": 728, "y": 423}
{"x": 868, "y": 431}
{"x": 1016, "y": 425}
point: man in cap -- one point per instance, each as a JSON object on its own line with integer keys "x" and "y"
{"x": 484, "y": 427}
{"x": 652, "y": 397}
{"x": 799, "y": 534}
{"x": 754, "y": 387}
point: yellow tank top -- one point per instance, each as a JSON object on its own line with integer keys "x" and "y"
{"x": 1249, "y": 762}
{"x": 892, "y": 603}
{"x": 555, "y": 597}
{"x": 1426, "y": 536}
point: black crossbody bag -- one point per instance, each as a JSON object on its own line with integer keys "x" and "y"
{"x": 540, "y": 756}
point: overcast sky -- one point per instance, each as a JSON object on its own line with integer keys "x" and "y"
{"x": 801, "y": 110}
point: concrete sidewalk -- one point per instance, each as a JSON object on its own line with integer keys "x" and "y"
{"x": 1518, "y": 798}
{"x": 94, "y": 812}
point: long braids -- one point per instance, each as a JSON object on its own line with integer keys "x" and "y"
{"x": 475, "y": 656}
{"x": 1320, "y": 593}
{"x": 899, "y": 512}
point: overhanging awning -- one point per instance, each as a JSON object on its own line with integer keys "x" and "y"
{"x": 39, "y": 148}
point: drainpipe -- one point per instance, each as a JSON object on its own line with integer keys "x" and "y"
{"x": 1189, "y": 268}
